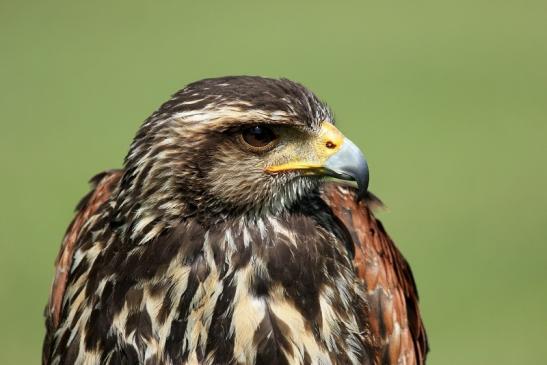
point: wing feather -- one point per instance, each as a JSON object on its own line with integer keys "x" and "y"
{"x": 102, "y": 186}
{"x": 394, "y": 313}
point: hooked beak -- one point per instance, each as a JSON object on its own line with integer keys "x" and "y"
{"x": 332, "y": 155}
{"x": 349, "y": 163}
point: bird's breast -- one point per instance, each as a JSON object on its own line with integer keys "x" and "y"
{"x": 268, "y": 291}
{"x": 271, "y": 291}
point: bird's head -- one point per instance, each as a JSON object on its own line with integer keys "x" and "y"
{"x": 237, "y": 144}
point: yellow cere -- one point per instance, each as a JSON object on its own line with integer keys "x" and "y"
{"x": 327, "y": 143}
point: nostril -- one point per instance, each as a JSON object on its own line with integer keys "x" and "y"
{"x": 330, "y": 144}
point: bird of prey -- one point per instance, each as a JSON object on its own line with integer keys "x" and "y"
{"x": 230, "y": 237}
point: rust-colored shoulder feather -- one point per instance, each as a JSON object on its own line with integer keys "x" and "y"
{"x": 102, "y": 186}
{"x": 394, "y": 313}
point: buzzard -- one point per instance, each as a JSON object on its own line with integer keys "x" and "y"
{"x": 228, "y": 238}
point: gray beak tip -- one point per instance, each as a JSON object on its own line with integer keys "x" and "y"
{"x": 349, "y": 163}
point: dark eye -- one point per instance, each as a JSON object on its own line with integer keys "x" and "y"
{"x": 258, "y": 136}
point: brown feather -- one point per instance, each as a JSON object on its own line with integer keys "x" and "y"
{"x": 196, "y": 256}
{"x": 394, "y": 312}
{"x": 102, "y": 186}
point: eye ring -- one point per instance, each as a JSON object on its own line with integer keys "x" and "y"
{"x": 258, "y": 138}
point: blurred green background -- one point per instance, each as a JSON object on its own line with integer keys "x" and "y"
{"x": 447, "y": 99}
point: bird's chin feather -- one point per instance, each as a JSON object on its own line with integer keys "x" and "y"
{"x": 274, "y": 197}
{"x": 292, "y": 192}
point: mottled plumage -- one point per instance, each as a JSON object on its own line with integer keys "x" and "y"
{"x": 208, "y": 248}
